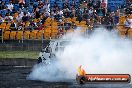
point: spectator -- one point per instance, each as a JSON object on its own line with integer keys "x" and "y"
{"x": 22, "y": 7}
{"x": 55, "y": 7}
{"x": 67, "y": 25}
{"x": 128, "y": 10}
{"x": 21, "y": 2}
{"x": 66, "y": 13}
{"x": 88, "y": 22}
{"x": 73, "y": 11}
{"x": 94, "y": 16}
{"x": 13, "y": 25}
{"x": 32, "y": 25}
{"x": 21, "y": 14}
{"x": 101, "y": 13}
{"x": 92, "y": 11}
{"x": 8, "y": 17}
{"x": 35, "y": 4}
{"x": 108, "y": 21}
{"x": 4, "y": 12}
{"x": 1, "y": 19}
{"x": 98, "y": 5}
{"x": 10, "y": 6}
{"x": 32, "y": 14}
{"x": 60, "y": 12}
{"x": 128, "y": 22}
{"x": 48, "y": 7}
{"x": 116, "y": 18}
{"x": 65, "y": 5}
{"x": 20, "y": 25}
{"x": 111, "y": 21}
{"x": 52, "y": 14}
{"x": 25, "y": 18}
{"x": 30, "y": 8}
{"x": 90, "y": 4}
{"x": 39, "y": 26}
{"x": 60, "y": 29}
{"x": 28, "y": 13}
{"x": 74, "y": 26}
{"x": 2, "y": 6}
{"x": 44, "y": 6}
{"x": 103, "y": 4}
{"x": 37, "y": 13}
{"x": 85, "y": 15}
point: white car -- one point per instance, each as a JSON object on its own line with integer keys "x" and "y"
{"x": 49, "y": 52}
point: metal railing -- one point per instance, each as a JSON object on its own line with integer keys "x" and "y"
{"x": 42, "y": 38}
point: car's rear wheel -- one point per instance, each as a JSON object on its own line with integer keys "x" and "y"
{"x": 80, "y": 79}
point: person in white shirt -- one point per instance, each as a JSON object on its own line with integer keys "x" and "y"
{"x": 21, "y": 14}
{"x": 48, "y": 7}
{"x": 90, "y": 12}
{"x": 18, "y": 18}
{"x": 127, "y": 24}
{"x": 28, "y": 13}
{"x": 60, "y": 12}
{"x": 44, "y": 7}
{"x": 11, "y": 17}
{"x": 1, "y": 19}
{"x": 8, "y": 17}
{"x": 10, "y": 6}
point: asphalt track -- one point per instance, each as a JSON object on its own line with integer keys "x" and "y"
{"x": 15, "y": 77}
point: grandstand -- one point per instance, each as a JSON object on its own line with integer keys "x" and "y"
{"x": 49, "y": 19}
{"x": 29, "y": 26}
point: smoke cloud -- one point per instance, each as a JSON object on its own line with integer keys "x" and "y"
{"x": 101, "y": 53}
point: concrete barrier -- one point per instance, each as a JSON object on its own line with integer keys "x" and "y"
{"x": 17, "y": 62}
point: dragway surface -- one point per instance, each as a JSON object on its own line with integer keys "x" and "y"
{"x": 15, "y": 77}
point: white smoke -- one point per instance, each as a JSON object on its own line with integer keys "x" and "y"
{"x": 103, "y": 52}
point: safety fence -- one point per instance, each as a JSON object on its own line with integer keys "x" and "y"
{"x": 48, "y": 33}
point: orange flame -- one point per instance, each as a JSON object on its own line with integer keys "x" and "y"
{"x": 81, "y": 71}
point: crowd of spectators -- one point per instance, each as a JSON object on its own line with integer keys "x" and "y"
{"x": 94, "y": 12}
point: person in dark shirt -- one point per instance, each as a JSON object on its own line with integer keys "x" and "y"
{"x": 2, "y": 6}
{"x": 66, "y": 14}
{"x": 13, "y": 25}
{"x": 79, "y": 17}
{"x": 90, "y": 3}
{"x": 108, "y": 21}
{"x": 116, "y": 19}
{"x": 1, "y": 19}
{"x": 37, "y": 13}
{"x": 85, "y": 15}
{"x": 65, "y": 5}
{"x": 25, "y": 17}
{"x": 43, "y": 19}
{"x": 67, "y": 25}
{"x": 128, "y": 10}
